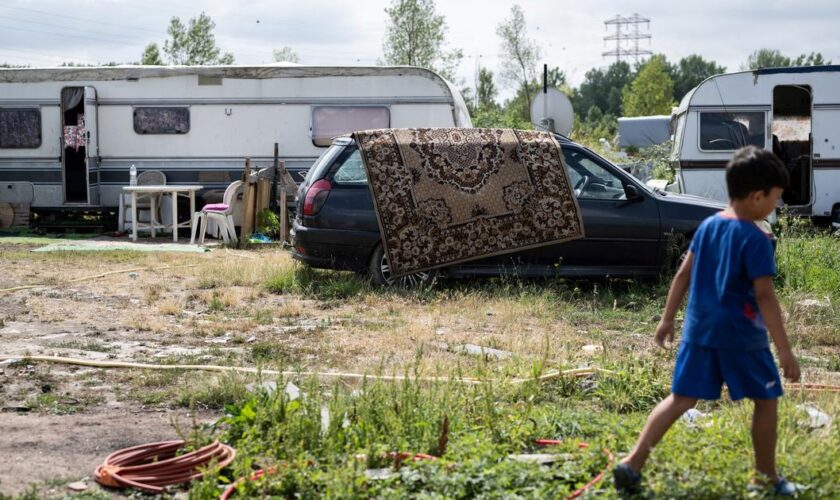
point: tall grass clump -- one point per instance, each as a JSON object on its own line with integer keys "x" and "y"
{"x": 304, "y": 280}
{"x": 808, "y": 258}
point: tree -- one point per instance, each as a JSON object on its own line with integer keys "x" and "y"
{"x": 416, "y": 36}
{"x": 519, "y": 54}
{"x": 486, "y": 90}
{"x": 286, "y": 54}
{"x": 195, "y": 43}
{"x": 652, "y": 91}
{"x": 690, "y": 71}
{"x": 812, "y": 59}
{"x": 766, "y": 58}
{"x": 771, "y": 58}
{"x": 603, "y": 89}
{"x": 151, "y": 56}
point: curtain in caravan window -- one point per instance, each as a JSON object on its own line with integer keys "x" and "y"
{"x": 731, "y": 130}
{"x": 332, "y": 121}
{"x": 20, "y": 128}
{"x": 71, "y": 97}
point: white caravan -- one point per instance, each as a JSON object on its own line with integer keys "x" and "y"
{"x": 68, "y": 136}
{"x": 794, "y": 112}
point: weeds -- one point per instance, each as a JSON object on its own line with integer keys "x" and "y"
{"x": 325, "y": 285}
{"x": 323, "y": 443}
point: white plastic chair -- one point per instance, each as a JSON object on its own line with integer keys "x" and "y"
{"x": 145, "y": 178}
{"x": 221, "y": 213}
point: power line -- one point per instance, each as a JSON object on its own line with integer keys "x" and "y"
{"x": 65, "y": 28}
{"x": 627, "y": 30}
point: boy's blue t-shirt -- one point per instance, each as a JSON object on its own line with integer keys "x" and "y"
{"x": 722, "y": 313}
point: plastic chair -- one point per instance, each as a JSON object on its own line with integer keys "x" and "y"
{"x": 145, "y": 178}
{"x": 221, "y": 213}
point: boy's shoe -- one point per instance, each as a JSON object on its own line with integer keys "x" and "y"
{"x": 782, "y": 488}
{"x": 626, "y": 480}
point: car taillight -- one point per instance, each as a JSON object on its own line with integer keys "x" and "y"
{"x": 316, "y": 195}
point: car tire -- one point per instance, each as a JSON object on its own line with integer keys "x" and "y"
{"x": 380, "y": 273}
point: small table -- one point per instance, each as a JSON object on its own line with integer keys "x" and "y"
{"x": 153, "y": 192}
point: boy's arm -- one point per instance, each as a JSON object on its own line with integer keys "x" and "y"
{"x": 676, "y": 294}
{"x": 768, "y": 304}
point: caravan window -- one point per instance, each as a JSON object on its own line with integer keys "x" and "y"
{"x": 332, "y": 121}
{"x": 731, "y": 130}
{"x": 162, "y": 120}
{"x": 20, "y": 128}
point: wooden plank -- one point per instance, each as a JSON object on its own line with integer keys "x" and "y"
{"x": 263, "y": 194}
{"x": 248, "y": 218}
{"x": 284, "y": 222}
{"x": 248, "y": 202}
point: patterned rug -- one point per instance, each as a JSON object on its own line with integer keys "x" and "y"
{"x": 448, "y": 195}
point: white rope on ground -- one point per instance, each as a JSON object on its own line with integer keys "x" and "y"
{"x": 87, "y": 278}
{"x": 579, "y": 372}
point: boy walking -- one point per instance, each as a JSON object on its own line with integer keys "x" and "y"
{"x": 728, "y": 273}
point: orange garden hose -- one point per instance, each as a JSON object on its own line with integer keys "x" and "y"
{"x": 582, "y": 445}
{"x": 610, "y": 461}
{"x": 151, "y": 467}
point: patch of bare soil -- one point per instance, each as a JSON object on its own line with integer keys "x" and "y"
{"x": 55, "y": 449}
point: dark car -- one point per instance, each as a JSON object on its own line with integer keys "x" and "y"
{"x": 631, "y": 230}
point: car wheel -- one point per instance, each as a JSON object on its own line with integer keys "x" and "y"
{"x": 380, "y": 271}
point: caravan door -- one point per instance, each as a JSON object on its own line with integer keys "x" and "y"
{"x": 92, "y": 144}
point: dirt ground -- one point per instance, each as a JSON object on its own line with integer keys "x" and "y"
{"x": 57, "y": 422}
{"x": 59, "y": 449}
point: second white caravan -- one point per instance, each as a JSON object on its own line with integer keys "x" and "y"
{"x": 794, "y": 112}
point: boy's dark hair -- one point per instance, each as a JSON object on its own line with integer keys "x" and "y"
{"x": 752, "y": 169}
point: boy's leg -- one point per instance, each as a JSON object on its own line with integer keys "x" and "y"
{"x": 764, "y": 437}
{"x": 660, "y": 420}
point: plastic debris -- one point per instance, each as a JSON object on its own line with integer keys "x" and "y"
{"x": 592, "y": 349}
{"x": 812, "y": 303}
{"x": 692, "y": 415}
{"x": 816, "y": 417}
{"x": 9, "y": 362}
{"x": 476, "y": 350}
{"x": 78, "y": 486}
{"x": 259, "y": 238}
{"x": 536, "y": 458}
{"x": 380, "y": 474}
{"x": 325, "y": 419}
{"x": 133, "y": 275}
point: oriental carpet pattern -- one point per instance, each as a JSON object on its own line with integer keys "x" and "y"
{"x": 448, "y": 195}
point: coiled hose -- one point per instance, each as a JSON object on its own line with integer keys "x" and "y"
{"x": 151, "y": 467}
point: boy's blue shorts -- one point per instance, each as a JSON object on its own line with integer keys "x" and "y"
{"x": 700, "y": 371}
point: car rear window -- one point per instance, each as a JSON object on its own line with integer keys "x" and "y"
{"x": 350, "y": 168}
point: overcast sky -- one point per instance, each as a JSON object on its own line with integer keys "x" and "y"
{"x": 341, "y": 32}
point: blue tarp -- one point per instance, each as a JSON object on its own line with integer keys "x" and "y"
{"x": 643, "y": 131}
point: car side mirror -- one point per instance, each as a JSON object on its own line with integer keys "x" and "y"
{"x": 631, "y": 193}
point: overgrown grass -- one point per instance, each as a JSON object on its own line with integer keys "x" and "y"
{"x": 323, "y": 443}
{"x": 304, "y": 280}
{"x": 808, "y": 258}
